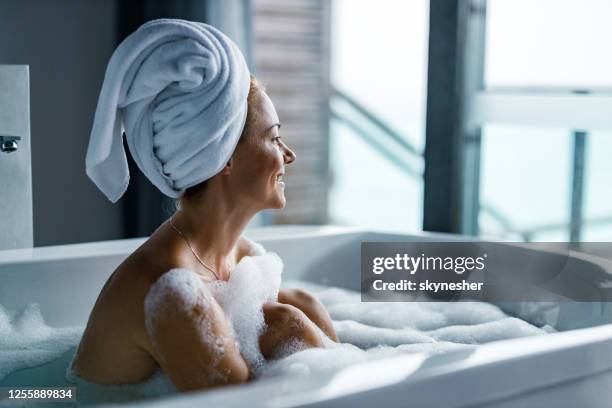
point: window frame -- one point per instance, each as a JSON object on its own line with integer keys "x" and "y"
{"x": 452, "y": 153}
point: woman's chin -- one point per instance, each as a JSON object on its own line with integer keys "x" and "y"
{"x": 279, "y": 201}
{"x": 280, "y": 204}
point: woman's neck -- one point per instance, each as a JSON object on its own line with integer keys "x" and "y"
{"x": 213, "y": 228}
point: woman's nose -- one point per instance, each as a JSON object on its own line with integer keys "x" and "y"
{"x": 288, "y": 154}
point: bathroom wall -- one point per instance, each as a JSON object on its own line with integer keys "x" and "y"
{"x": 15, "y": 166}
{"x": 66, "y": 44}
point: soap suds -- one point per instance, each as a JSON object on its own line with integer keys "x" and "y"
{"x": 255, "y": 281}
{"x": 157, "y": 385}
{"x": 180, "y": 291}
{"x": 373, "y": 330}
{"x": 366, "y": 330}
{"x": 26, "y": 341}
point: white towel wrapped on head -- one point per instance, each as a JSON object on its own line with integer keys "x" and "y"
{"x": 179, "y": 90}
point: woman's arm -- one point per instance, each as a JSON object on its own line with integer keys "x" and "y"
{"x": 286, "y": 324}
{"x": 294, "y": 317}
{"x": 312, "y": 308}
{"x": 190, "y": 334}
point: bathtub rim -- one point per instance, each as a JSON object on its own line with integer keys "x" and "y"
{"x": 476, "y": 365}
{"x": 564, "y": 341}
{"x": 126, "y": 246}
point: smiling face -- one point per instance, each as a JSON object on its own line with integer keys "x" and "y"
{"x": 258, "y": 164}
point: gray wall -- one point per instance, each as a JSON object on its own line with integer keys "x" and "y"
{"x": 16, "y": 229}
{"x": 67, "y": 45}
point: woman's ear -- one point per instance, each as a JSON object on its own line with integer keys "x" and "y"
{"x": 227, "y": 169}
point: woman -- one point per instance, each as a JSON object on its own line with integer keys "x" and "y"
{"x": 122, "y": 344}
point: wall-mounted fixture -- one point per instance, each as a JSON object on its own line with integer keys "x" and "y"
{"x": 8, "y": 144}
{"x": 16, "y": 221}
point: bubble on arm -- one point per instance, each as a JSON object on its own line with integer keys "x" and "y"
{"x": 180, "y": 292}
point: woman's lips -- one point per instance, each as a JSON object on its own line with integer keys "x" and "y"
{"x": 279, "y": 180}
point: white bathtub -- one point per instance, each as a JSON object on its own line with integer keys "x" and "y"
{"x": 568, "y": 369}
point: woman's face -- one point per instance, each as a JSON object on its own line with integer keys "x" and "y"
{"x": 258, "y": 164}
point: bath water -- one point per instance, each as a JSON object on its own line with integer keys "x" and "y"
{"x": 33, "y": 354}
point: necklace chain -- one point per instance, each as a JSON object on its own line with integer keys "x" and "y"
{"x": 178, "y": 231}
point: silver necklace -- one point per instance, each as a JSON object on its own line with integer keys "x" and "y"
{"x": 178, "y": 231}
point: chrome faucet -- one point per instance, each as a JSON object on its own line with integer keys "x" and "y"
{"x": 16, "y": 221}
{"x": 8, "y": 144}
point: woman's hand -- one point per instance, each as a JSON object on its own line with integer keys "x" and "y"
{"x": 312, "y": 308}
{"x": 286, "y": 324}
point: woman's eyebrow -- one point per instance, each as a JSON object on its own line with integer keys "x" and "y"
{"x": 273, "y": 126}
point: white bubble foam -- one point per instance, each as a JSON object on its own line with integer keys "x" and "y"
{"x": 26, "y": 341}
{"x": 288, "y": 348}
{"x": 157, "y": 385}
{"x": 375, "y": 330}
{"x": 366, "y": 330}
{"x": 346, "y": 305}
{"x": 507, "y": 328}
{"x": 365, "y": 337}
{"x": 5, "y": 322}
{"x": 255, "y": 281}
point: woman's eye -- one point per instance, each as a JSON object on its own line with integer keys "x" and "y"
{"x": 276, "y": 139}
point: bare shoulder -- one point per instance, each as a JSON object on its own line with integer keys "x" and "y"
{"x": 115, "y": 347}
{"x": 152, "y": 259}
{"x": 176, "y": 298}
{"x": 248, "y": 247}
{"x": 124, "y": 292}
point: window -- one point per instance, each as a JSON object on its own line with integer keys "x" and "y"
{"x": 379, "y": 61}
{"x": 562, "y": 43}
{"x": 543, "y": 114}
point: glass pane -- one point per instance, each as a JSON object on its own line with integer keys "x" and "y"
{"x": 379, "y": 60}
{"x": 549, "y": 43}
{"x": 597, "y": 213}
{"x": 368, "y": 190}
{"x": 525, "y": 183}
